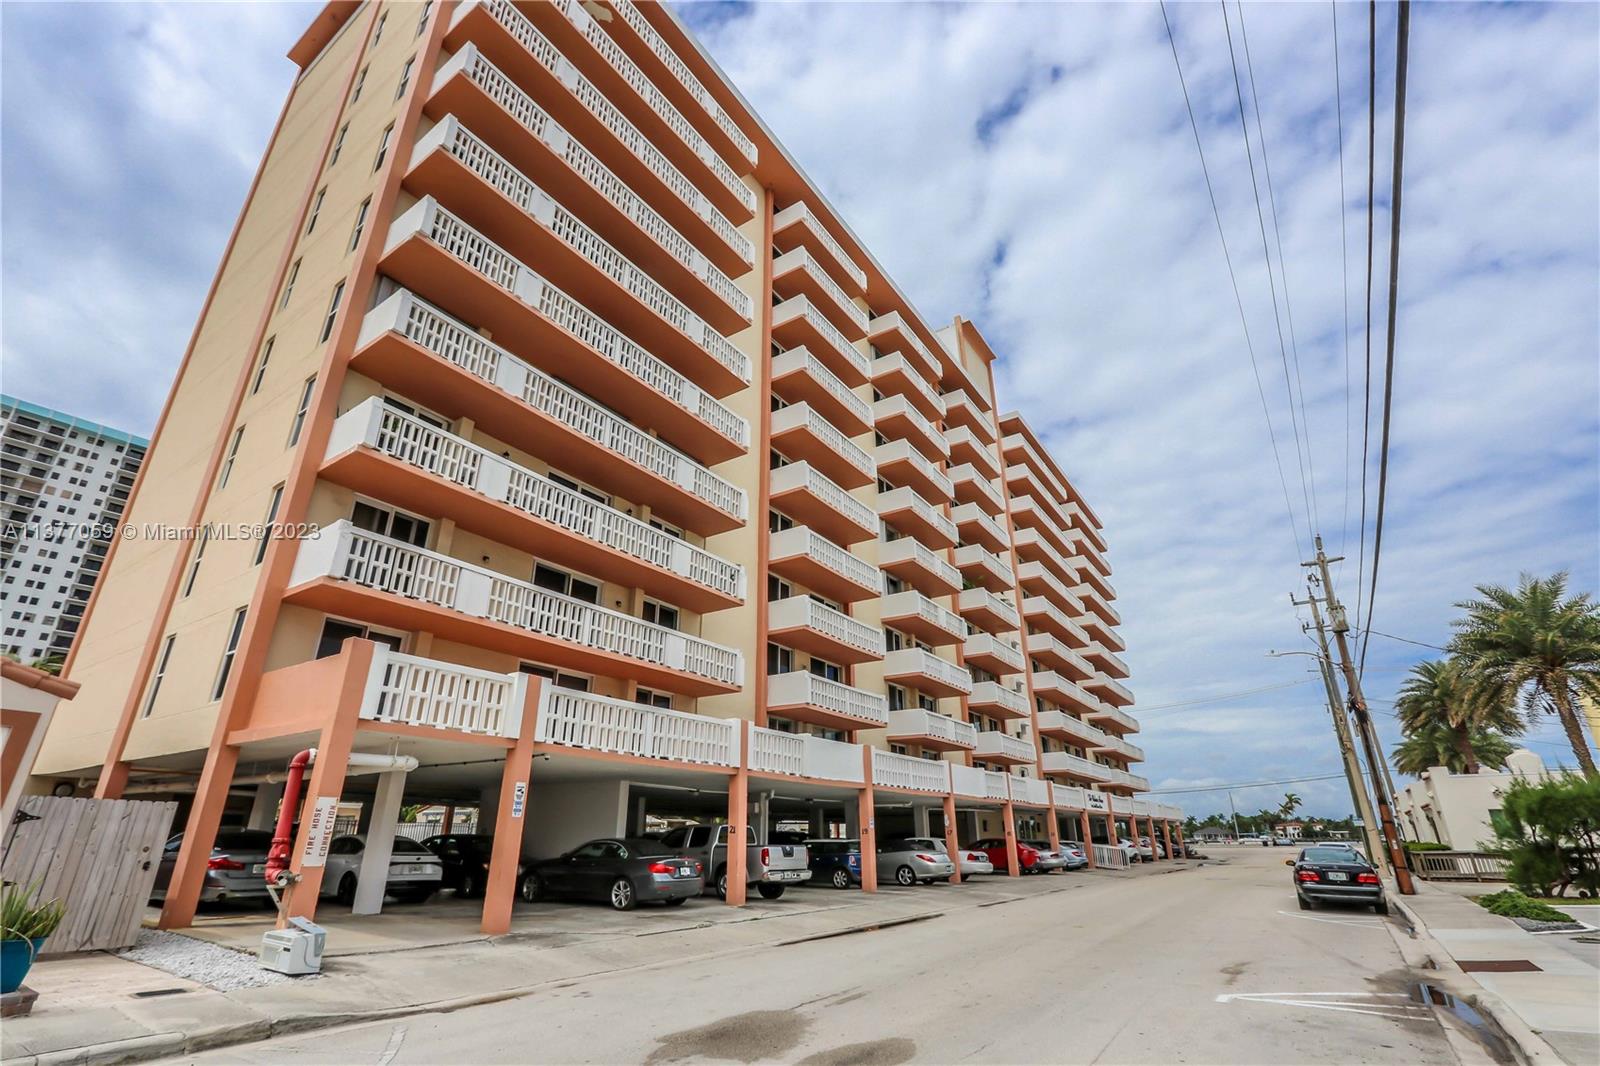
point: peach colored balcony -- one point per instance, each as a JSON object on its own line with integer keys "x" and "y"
{"x": 1033, "y": 547}
{"x": 805, "y": 697}
{"x": 387, "y": 454}
{"x": 1065, "y": 693}
{"x": 897, "y": 419}
{"x": 967, "y": 447}
{"x": 420, "y": 352}
{"x": 1109, "y": 663}
{"x": 972, "y": 486}
{"x": 924, "y": 671}
{"x": 569, "y": 24}
{"x": 918, "y": 566}
{"x": 1028, "y": 513}
{"x": 1119, "y": 748}
{"x": 902, "y": 465}
{"x": 907, "y": 773}
{"x": 802, "y": 623}
{"x": 1001, "y": 748}
{"x": 1071, "y": 729}
{"x": 808, "y": 496}
{"x": 895, "y": 375}
{"x": 1036, "y": 580}
{"x": 807, "y": 558}
{"x": 802, "y": 434}
{"x": 994, "y": 654}
{"x": 351, "y": 573}
{"x": 961, "y": 409}
{"x": 892, "y": 333}
{"x": 525, "y": 135}
{"x": 1016, "y": 448}
{"x": 931, "y": 730}
{"x": 977, "y": 527}
{"x": 797, "y": 322}
{"x": 912, "y": 612}
{"x": 1111, "y": 692}
{"x": 983, "y": 567}
{"x": 1045, "y": 617}
{"x": 1056, "y": 655}
{"x": 797, "y": 226}
{"x": 987, "y": 611}
{"x": 608, "y": 304}
{"x": 915, "y": 517}
{"x": 798, "y": 272}
{"x": 1077, "y": 768}
{"x": 1102, "y": 631}
{"x": 496, "y": 33}
{"x": 1114, "y": 720}
{"x": 997, "y": 700}
{"x": 1097, "y": 602}
{"x": 800, "y": 377}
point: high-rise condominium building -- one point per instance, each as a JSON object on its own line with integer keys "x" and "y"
{"x": 64, "y": 482}
{"x": 614, "y": 482}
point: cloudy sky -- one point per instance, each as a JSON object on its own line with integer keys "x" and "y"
{"x": 1031, "y": 167}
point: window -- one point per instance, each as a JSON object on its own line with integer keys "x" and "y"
{"x": 651, "y": 698}
{"x": 361, "y": 79}
{"x": 548, "y": 577}
{"x": 300, "y": 411}
{"x": 161, "y": 672}
{"x": 333, "y": 312}
{"x": 267, "y": 534}
{"x": 377, "y": 33}
{"x": 780, "y": 660}
{"x": 405, "y": 77}
{"x": 383, "y": 146}
{"x": 335, "y": 633}
{"x": 261, "y": 367}
{"x": 194, "y": 564}
{"x": 671, "y": 531}
{"x": 338, "y": 144}
{"x": 778, "y": 589}
{"x": 421, "y": 413}
{"x": 660, "y": 614}
{"x": 422, "y": 23}
{"x": 316, "y": 209}
{"x": 228, "y": 653}
{"x": 288, "y": 286}
{"x": 823, "y": 668}
{"x": 575, "y": 486}
{"x": 233, "y": 453}
{"x": 386, "y": 522}
{"x": 777, "y": 522}
{"x": 576, "y": 682}
{"x": 361, "y": 223}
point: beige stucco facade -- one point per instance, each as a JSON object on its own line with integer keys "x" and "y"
{"x": 1457, "y": 810}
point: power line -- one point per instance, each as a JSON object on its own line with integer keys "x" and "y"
{"x": 1246, "y": 784}
{"x": 1405, "y": 640}
{"x": 1272, "y": 285}
{"x": 1227, "y": 256}
{"x": 1366, "y": 408}
{"x": 1401, "y": 48}
{"x": 1344, "y": 273}
{"x": 1223, "y": 696}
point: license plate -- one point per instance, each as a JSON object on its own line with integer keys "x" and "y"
{"x": 259, "y": 868}
{"x": 411, "y": 869}
{"x": 1335, "y": 876}
{"x": 684, "y": 871}
{"x": 784, "y": 875}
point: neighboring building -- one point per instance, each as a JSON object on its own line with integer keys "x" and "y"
{"x": 64, "y": 482}
{"x": 564, "y": 379}
{"x": 1458, "y": 810}
{"x": 1292, "y": 830}
{"x": 1213, "y": 835}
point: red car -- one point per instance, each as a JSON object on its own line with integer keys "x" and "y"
{"x": 995, "y": 848}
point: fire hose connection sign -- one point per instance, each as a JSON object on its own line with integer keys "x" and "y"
{"x": 320, "y": 833}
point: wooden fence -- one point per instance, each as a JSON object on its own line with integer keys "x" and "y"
{"x": 99, "y": 857}
{"x": 1458, "y": 865}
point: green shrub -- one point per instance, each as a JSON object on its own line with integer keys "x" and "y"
{"x": 1425, "y": 845}
{"x": 23, "y": 919}
{"x": 1513, "y": 904}
{"x": 1550, "y": 833}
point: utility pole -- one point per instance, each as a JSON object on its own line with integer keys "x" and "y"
{"x": 1341, "y": 728}
{"x": 1235, "y": 812}
{"x": 1369, "y": 736}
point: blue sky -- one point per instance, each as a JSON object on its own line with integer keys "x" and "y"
{"x": 1030, "y": 167}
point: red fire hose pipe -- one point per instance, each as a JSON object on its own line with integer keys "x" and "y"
{"x": 277, "y": 872}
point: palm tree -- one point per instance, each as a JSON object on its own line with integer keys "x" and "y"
{"x": 1440, "y": 694}
{"x": 1539, "y": 643}
{"x": 1436, "y": 745}
{"x": 1291, "y": 803}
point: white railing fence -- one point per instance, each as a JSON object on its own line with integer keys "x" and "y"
{"x": 604, "y": 723}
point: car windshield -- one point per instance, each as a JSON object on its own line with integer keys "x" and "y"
{"x": 407, "y": 846}
{"x": 1328, "y": 855}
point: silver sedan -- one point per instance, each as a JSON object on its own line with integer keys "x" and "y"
{"x": 909, "y": 860}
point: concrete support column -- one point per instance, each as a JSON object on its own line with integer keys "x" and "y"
{"x": 372, "y": 882}
{"x": 1111, "y": 829}
{"x": 511, "y": 811}
{"x": 762, "y": 818}
{"x": 738, "y": 823}
{"x": 449, "y": 825}
{"x": 919, "y": 822}
{"x": 264, "y": 807}
{"x": 819, "y": 823}
{"x": 951, "y": 838}
{"x": 1054, "y": 827}
{"x": 1166, "y": 836}
{"x": 199, "y": 834}
{"x": 1013, "y": 864}
{"x": 866, "y": 818}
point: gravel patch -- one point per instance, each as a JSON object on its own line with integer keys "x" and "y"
{"x": 1534, "y": 926}
{"x": 196, "y": 960}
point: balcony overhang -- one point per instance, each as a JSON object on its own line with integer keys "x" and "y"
{"x": 797, "y": 379}
{"x": 983, "y": 612}
{"x": 984, "y": 656}
{"x": 935, "y": 626}
{"x": 974, "y": 563}
{"x": 911, "y": 673}
{"x": 915, "y": 570}
{"x": 902, "y": 468}
{"x": 903, "y": 513}
{"x": 794, "y": 327}
{"x": 798, "y": 565}
{"x": 921, "y": 727}
{"x": 896, "y": 375}
{"x": 814, "y": 640}
{"x": 802, "y": 440}
{"x": 811, "y": 505}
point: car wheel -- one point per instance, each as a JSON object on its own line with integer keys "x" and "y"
{"x": 469, "y": 887}
{"x": 347, "y": 890}
{"x": 1381, "y": 907}
{"x": 677, "y": 902}
{"x": 1305, "y": 904}
{"x": 722, "y": 882}
{"x": 841, "y": 879}
{"x": 905, "y": 876}
{"x": 621, "y": 896}
{"x": 532, "y": 889}
{"x": 770, "y": 891}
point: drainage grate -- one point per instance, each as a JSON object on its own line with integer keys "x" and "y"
{"x": 151, "y": 993}
{"x": 1497, "y": 966}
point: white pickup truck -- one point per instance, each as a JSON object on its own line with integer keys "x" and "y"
{"x": 770, "y": 867}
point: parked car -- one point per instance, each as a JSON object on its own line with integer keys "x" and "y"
{"x": 1336, "y": 875}
{"x": 233, "y": 872}
{"x": 975, "y": 862}
{"x": 909, "y": 860}
{"x": 1050, "y": 859}
{"x": 414, "y": 871}
{"x": 1074, "y": 855}
{"x": 623, "y": 871}
{"x": 1129, "y": 851}
{"x": 770, "y": 867}
{"x": 835, "y": 862}
{"x": 1146, "y": 852}
{"x": 465, "y": 857}
{"x": 995, "y": 849}
{"x": 1281, "y": 841}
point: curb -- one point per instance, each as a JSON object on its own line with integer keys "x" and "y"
{"x": 1529, "y": 1048}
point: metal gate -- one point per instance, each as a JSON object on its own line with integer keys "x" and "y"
{"x": 98, "y": 857}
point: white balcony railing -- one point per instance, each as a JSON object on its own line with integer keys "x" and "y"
{"x": 1057, "y": 688}
{"x": 414, "y": 691}
{"x": 915, "y": 723}
{"x": 997, "y": 744}
{"x": 915, "y": 663}
{"x": 902, "y": 451}
{"x": 1041, "y": 612}
{"x": 1045, "y": 647}
{"x": 800, "y": 360}
{"x": 520, "y": 106}
{"x": 972, "y": 514}
{"x": 801, "y": 540}
{"x": 960, "y": 404}
{"x": 629, "y": 135}
{"x": 804, "y": 416}
{"x": 345, "y": 553}
{"x": 1065, "y": 762}
{"x": 1068, "y": 797}
{"x": 987, "y": 644}
{"x": 997, "y": 784}
{"x": 603, "y": 723}
{"x": 798, "y": 214}
{"x": 994, "y": 694}
{"x": 1030, "y": 790}
{"x": 923, "y": 431}
{"x": 803, "y": 612}
{"x": 801, "y": 307}
{"x": 801, "y": 259}
{"x": 1108, "y": 713}
{"x": 896, "y": 364}
{"x": 961, "y": 439}
{"x": 431, "y": 329}
{"x": 966, "y": 780}
{"x": 802, "y": 688}
{"x": 795, "y": 476}
{"x": 906, "y": 498}
{"x": 909, "y": 549}
{"x": 895, "y": 326}
{"x": 980, "y": 599}
{"x": 773, "y": 751}
{"x": 1029, "y": 538}
{"x": 1034, "y": 572}
{"x": 1112, "y": 663}
{"x": 905, "y": 772}
{"x": 834, "y": 760}
{"x": 423, "y": 445}
{"x": 975, "y": 480}
{"x": 1112, "y": 692}
{"x": 910, "y": 603}
{"x": 1083, "y": 733}
{"x": 1120, "y": 748}
{"x": 976, "y": 555}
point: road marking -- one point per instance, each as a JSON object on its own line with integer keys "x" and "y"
{"x": 1360, "y": 923}
{"x": 1377, "y": 1004}
{"x": 396, "y": 1038}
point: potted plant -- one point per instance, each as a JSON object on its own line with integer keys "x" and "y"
{"x": 24, "y": 925}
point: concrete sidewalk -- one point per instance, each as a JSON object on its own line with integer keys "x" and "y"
{"x": 385, "y": 971}
{"x": 1559, "y": 1001}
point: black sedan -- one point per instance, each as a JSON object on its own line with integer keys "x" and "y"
{"x": 621, "y": 871}
{"x": 466, "y": 861}
{"x": 1336, "y": 875}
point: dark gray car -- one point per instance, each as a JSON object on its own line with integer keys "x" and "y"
{"x": 234, "y": 871}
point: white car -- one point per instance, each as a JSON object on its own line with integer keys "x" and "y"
{"x": 975, "y": 862}
{"x": 414, "y": 871}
